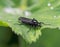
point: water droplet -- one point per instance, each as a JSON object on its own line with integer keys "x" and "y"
{"x": 51, "y": 8}
{"x": 55, "y": 16}
{"x": 27, "y": 13}
{"x": 9, "y": 10}
{"x": 49, "y": 4}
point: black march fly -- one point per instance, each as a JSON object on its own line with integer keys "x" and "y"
{"x": 32, "y": 22}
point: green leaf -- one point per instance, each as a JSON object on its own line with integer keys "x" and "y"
{"x": 3, "y": 24}
{"x": 12, "y": 21}
{"x": 50, "y": 15}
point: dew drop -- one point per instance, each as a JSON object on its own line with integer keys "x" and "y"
{"x": 51, "y": 8}
{"x": 9, "y": 10}
{"x": 49, "y": 4}
{"x": 55, "y": 16}
{"x": 27, "y": 13}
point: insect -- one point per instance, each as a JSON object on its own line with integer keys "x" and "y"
{"x": 32, "y": 22}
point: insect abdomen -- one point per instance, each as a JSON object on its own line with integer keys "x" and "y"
{"x": 25, "y": 20}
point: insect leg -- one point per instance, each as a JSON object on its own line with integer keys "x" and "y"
{"x": 30, "y": 28}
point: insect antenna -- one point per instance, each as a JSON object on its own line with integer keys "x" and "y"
{"x": 44, "y": 23}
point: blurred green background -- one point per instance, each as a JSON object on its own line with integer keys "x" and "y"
{"x": 49, "y": 38}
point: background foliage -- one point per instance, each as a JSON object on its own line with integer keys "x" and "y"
{"x": 47, "y": 11}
